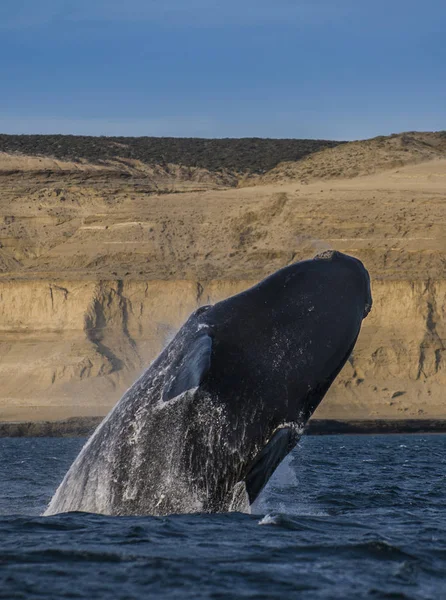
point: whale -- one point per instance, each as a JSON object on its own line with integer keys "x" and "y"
{"x": 206, "y": 425}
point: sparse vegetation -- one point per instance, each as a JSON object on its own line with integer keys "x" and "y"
{"x": 363, "y": 158}
{"x": 244, "y": 155}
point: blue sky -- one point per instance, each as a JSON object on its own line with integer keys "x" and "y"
{"x": 334, "y": 69}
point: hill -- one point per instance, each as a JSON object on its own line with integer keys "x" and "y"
{"x": 244, "y": 155}
{"x": 363, "y": 157}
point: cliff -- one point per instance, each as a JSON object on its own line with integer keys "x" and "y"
{"x": 70, "y": 348}
{"x": 98, "y": 270}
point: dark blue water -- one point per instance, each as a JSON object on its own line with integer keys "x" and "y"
{"x": 344, "y": 517}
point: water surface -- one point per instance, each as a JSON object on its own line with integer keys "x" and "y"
{"x": 344, "y": 517}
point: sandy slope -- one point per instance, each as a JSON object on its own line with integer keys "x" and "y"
{"x": 362, "y": 158}
{"x": 64, "y": 227}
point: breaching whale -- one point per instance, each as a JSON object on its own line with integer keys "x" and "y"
{"x": 206, "y": 425}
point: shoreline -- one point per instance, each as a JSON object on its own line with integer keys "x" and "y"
{"x": 84, "y": 426}
{"x": 374, "y": 426}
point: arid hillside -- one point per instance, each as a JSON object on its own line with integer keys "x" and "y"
{"x": 362, "y": 158}
{"x": 235, "y": 156}
{"x": 101, "y": 263}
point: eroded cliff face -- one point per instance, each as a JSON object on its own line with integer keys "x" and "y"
{"x": 398, "y": 368}
{"x": 99, "y": 266}
{"x": 71, "y": 348}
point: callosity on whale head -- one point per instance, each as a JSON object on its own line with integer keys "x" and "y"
{"x": 206, "y": 425}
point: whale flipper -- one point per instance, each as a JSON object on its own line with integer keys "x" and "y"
{"x": 193, "y": 368}
{"x": 269, "y": 459}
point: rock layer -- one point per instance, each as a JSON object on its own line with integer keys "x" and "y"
{"x": 72, "y": 348}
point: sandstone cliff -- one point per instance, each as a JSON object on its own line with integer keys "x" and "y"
{"x": 98, "y": 271}
{"x": 70, "y": 348}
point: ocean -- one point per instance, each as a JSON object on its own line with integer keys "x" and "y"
{"x": 343, "y": 517}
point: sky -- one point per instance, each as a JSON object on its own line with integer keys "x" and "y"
{"x": 328, "y": 69}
